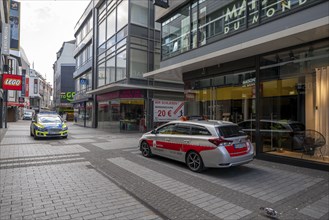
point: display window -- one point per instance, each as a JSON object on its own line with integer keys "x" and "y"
{"x": 294, "y": 103}
{"x": 291, "y": 116}
{"x": 122, "y": 115}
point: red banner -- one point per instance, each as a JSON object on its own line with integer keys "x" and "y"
{"x": 11, "y": 82}
{"x": 27, "y": 89}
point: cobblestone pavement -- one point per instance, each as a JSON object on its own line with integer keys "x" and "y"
{"x": 95, "y": 174}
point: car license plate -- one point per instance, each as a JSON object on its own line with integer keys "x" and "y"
{"x": 239, "y": 145}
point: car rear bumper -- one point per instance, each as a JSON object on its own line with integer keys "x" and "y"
{"x": 220, "y": 158}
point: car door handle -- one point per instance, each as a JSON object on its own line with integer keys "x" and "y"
{"x": 167, "y": 139}
{"x": 186, "y": 141}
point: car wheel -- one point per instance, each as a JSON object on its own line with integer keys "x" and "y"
{"x": 194, "y": 161}
{"x": 146, "y": 150}
{"x": 35, "y": 137}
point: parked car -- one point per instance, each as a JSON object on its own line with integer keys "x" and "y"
{"x": 199, "y": 144}
{"x": 27, "y": 115}
{"x": 48, "y": 125}
{"x": 277, "y": 133}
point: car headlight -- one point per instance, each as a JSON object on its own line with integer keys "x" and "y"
{"x": 64, "y": 127}
{"x": 40, "y": 127}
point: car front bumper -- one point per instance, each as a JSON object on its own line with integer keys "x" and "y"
{"x": 63, "y": 133}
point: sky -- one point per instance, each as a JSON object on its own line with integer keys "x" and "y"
{"x": 45, "y": 25}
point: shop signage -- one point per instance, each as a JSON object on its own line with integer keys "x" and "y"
{"x": 69, "y": 96}
{"x": 122, "y": 94}
{"x": 5, "y": 38}
{"x": 83, "y": 81}
{"x": 11, "y": 82}
{"x": 161, "y": 3}
{"x": 14, "y": 20}
{"x": 234, "y": 14}
{"x": 164, "y": 110}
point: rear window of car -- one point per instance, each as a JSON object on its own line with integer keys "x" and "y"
{"x": 230, "y": 131}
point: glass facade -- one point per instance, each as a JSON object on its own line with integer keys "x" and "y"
{"x": 205, "y": 21}
{"x": 293, "y": 92}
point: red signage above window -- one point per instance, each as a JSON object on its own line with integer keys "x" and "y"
{"x": 11, "y": 82}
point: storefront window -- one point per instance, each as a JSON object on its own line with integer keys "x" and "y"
{"x": 294, "y": 97}
{"x": 89, "y": 113}
{"x": 228, "y": 97}
{"x": 132, "y": 112}
{"x": 103, "y": 115}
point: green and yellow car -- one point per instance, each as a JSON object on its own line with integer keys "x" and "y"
{"x": 48, "y": 125}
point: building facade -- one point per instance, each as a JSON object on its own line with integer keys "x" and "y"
{"x": 125, "y": 44}
{"x": 83, "y": 54}
{"x": 4, "y": 53}
{"x": 39, "y": 92}
{"x": 64, "y": 90}
{"x": 251, "y": 61}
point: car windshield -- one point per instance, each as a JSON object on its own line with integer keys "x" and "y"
{"x": 229, "y": 131}
{"x": 28, "y": 113}
{"x": 49, "y": 120}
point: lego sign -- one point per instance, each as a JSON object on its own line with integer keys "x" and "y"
{"x": 11, "y": 82}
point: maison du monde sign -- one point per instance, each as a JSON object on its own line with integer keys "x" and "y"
{"x": 234, "y": 14}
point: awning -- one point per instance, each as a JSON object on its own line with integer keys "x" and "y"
{"x": 9, "y": 104}
{"x": 116, "y": 87}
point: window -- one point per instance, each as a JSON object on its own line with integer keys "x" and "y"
{"x": 121, "y": 66}
{"x": 138, "y": 63}
{"x": 230, "y": 131}
{"x": 101, "y": 33}
{"x": 122, "y": 14}
{"x": 139, "y": 13}
{"x": 182, "y": 129}
{"x": 110, "y": 25}
{"x": 101, "y": 74}
{"x": 199, "y": 130}
{"x": 168, "y": 129}
{"x": 110, "y": 70}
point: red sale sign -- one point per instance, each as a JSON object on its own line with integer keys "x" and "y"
{"x": 165, "y": 110}
{"x": 11, "y": 82}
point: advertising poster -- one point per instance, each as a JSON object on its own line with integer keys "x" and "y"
{"x": 165, "y": 110}
{"x": 14, "y": 21}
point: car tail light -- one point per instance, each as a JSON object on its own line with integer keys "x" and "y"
{"x": 220, "y": 141}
